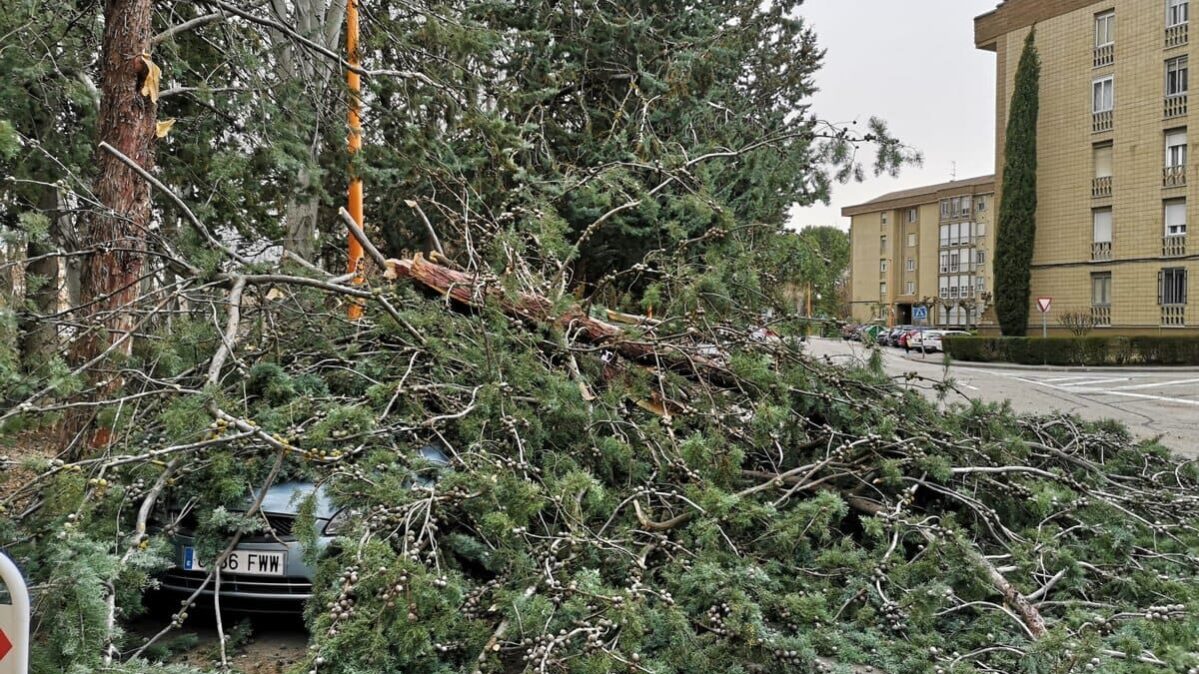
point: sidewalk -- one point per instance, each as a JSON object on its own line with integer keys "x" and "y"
{"x": 938, "y": 358}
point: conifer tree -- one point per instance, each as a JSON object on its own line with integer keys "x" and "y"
{"x": 1018, "y": 202}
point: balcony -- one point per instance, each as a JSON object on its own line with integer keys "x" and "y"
{"x": 1102, "y": 121}
{"x": 1101, "y": 316}
{"x": 1101, "y": 251}
{"x": 1176, "y": 36}
{"x": 1105, "y": 55}
{"x": 1174, "y": 246}
{"x": 1176, "y": 106}
{"x": 1174, "y": 316}
{"x": 1101, "y": 187}
{"x": 1174, "y": 176}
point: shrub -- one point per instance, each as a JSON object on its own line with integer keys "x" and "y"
{"x": 1090, "y": 350}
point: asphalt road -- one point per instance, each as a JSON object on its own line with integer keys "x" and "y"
{"x": 1151, "y": 402}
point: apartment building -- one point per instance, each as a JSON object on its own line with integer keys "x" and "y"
{"x": 1114, "y": 189}
{"x": 924, "y": 249}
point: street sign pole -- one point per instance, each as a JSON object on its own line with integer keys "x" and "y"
{"x": 14, "y": 620}
{"x": 1044, "y": 304}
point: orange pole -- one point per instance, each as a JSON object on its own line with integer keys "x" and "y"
{"x": 354, "y": 117}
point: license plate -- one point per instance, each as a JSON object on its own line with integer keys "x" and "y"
{"x": 241, "y": 562}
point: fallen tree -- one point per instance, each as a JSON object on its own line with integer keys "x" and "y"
{"x": 625, "y": 493}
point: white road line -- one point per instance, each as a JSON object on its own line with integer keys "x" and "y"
{"x": 1178, "y": 382}
{"x": 1142, "y": 396}
{"x": 1062, "y": 379}
{"x": 1095, "y": 382}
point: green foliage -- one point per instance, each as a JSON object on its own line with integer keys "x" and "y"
{"x": 1018, "y": 200}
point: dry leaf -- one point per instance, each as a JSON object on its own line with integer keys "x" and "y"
{"x": 410, "y": 203}
{"x": 153, "y": 77}
{"x": 161, "y": 129}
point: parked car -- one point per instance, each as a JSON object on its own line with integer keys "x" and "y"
{"x": 893, "y": 335}
{"x": 870, "y": 333}
{"x": 905, "y": 340}
{"x": 932, "y": 339}
{"x": 267, "y": 571}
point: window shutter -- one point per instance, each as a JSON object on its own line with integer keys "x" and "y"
{"x": 1161, "y": 279}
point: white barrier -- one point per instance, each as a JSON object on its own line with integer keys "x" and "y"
{"x": 14, "y": 620}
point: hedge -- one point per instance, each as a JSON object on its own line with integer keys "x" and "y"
{"x": 1094, "y": 351}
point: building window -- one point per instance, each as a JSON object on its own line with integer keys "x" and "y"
{"x": 1172, "y": 287}
{"x": 884, "y": 218}
{"x": 1105, "y": 29}
{"x": 980, "y": 204}
{"x": 944, "y": 262}
{"x": 882, "y": 290}
{"x": 980, "y": 257}
{"x": 1177, "y": 12}
{"x": 944, "y": 208}
{"x": 912, "y": 215}
{"x": 1101, "y": 290}
{"x": 1105, "y": 94}
{"x": 909, "y": 288}
{"x": 1101, "y": 156}
{"x": 882, "y": 242}
{"x": 944, "y": 235}
{"x": 911, "y": 265}
{"x": 1102, "y": 219}
{"x": 954, "y": 261}
{"x": 980, "y": 284}
{"x": 1176, "y": 148}
{"x": 882, "y": 265}
{"x": 1176, "y": 76}
{"x": 911, "y": 240}
{"x": 1176, "y": 217}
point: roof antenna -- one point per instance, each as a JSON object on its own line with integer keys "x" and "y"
{"x": 953, "y": 173}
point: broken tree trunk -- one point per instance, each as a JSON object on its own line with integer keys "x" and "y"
{"x": 469, "y": 290}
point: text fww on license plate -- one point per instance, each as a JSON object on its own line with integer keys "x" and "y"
{"x": 244, "y": 562}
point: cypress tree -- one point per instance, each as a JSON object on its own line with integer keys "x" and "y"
{"x": 1018, "y": 203}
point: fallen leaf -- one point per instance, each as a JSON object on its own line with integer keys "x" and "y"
{"x": 161, "y": 129}
{"x": 153, "y": 77}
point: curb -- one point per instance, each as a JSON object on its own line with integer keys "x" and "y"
{"x": 938, "y": 359}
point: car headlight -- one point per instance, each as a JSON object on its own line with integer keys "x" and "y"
{"x": 338, "y": 524}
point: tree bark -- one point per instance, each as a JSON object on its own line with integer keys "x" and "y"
{"x": 116, "y": 234}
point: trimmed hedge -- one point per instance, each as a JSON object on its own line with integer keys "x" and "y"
{"x": 1094, "y": 351}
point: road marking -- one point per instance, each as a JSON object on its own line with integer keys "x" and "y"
{"x": 1142, "y": 396}
{"x": 1096, "y": 382}
{"x": 1062, "y": 379}
{"x": 1177, "y": 382}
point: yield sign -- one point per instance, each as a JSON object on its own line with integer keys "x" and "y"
{"x": 5, "y": 645}
{"x": 1043, "y": 303}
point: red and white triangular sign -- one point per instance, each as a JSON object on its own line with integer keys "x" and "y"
{"x": 1044, "y": 303}
{"x": 5, "y": 645}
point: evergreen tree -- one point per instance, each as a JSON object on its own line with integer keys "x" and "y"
{"x": 1018, "y": 202}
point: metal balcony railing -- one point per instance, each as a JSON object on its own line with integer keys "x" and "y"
{"x": 1101, "y": 187}
{"x": 1176, "y": 36}
{"x": 1176, "y": 105}
{"x": 1174, "y": 316}
{"x": 1101, "y": 121}
{"x": 1174, "y": 246}
{"x": 1101, "y": 315}
{"x": 1105, "y": 55}
{"x": 1101, "y": 250}
{"x": 1174, "y": 176}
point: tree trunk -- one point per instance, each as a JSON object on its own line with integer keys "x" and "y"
{"x": 39, "y": 335}
{"x": 116, "y": 234}
{"x": 300, "y": 218}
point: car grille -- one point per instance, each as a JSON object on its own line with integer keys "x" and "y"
{"x": 296, "y": 587}
{"x": 283, "y": 526}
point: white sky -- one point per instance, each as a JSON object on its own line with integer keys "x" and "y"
{"x": 912, "y": 63}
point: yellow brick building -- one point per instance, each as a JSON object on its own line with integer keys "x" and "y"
{"x": 1113, "y": 187}
{"x": 927, "y": 248}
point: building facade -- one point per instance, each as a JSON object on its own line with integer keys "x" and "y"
{"x": 1113, "y": 147}
{"x": 925, "y": 250}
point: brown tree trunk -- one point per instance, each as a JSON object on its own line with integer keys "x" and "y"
{"x": 115, "y": 234}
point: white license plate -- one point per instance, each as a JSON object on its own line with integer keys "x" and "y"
{"x": 242, "y": 562}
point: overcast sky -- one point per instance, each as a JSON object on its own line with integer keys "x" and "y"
{"x": 912, "y": 63}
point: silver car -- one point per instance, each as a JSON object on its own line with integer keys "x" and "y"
{"x": 267, "y": 571}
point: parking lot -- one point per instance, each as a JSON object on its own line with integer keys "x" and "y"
{"x": 1151, "y": 402}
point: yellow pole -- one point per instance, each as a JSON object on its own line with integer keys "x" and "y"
{"x": 354, "y": 117}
